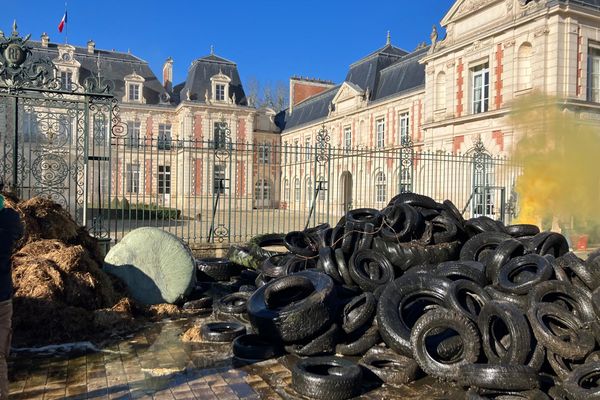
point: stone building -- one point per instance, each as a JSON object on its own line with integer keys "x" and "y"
{"x": 445, "y": 98}
{"x": 179, "y": 145}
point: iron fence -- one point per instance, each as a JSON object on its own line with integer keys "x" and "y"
{"x": 222, "y": 191}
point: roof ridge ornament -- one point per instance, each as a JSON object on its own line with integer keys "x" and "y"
{"x": 212, "y": 50}
{"x": 389, "y": 39}
{"x": 15, "y": 33}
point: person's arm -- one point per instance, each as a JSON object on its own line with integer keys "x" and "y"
{"x": 10, "y": 225}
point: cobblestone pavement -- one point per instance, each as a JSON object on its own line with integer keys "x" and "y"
{"x": 155, "y": 364}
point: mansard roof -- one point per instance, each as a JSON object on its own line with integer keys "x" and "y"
{"x": 114, "y": 66}
{"x": 386, "y": 72}
{"x": 585, "y": 3}
{"x": 198, "y": 79}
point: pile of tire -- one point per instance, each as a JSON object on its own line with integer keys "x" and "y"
{"x": 413, "y": 289}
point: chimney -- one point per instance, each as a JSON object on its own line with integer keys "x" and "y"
{"x": 45, "y": 39}
{"x": 91, "y": 46}
{"x": 302, "y": 89}
{"x": 168, "y": 75}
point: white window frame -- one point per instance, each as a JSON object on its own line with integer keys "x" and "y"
{"x": 164, "y": 179}
{"x": 133, "y": 178}
{"x": 264, "y": 153}
{"x": 524, "y": 67}
{"x": 380, "y": 133}
{"x": 133, "y": 133}
{"x": 347, "y": 138}
{"x": 286, "y": 190}
{"x": 297, "y": 190}
{"x": 480, "y": 91}
{"x": 297, "y": 150}
{"x": 219, "y": 174}
{"x": 404, "y": 128}
{"x": 307, "y": 149}
{"x": 165, "y": 139}
{"x": 220, "y": 89}
{"x": 134, "y": 91}
{"x": 593, "y": 74}
{"x": 66, "y": 80}
{"x": 380, "y": 187}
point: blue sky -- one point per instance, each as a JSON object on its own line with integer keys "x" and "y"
{"x": 269, "y": 40}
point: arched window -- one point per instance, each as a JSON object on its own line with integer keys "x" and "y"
{"x": 297, "y": 189}
{"x": 440, "y": 91}
{"x": 322, "y": 190}
{"x": 286, "y": 190}
{"x": 380, "y": 187}
{"x": 262, "y": 190}
{"x": 309, "y": 191}
{"x": 524, "y": 66}
{"x": 405, "y": 181}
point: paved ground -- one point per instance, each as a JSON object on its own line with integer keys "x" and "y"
{"x": 154, "y": 363}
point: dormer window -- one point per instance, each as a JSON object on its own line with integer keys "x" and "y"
{"x": 134, "y": 85}
{"x": 134, "y": 92}
{"x": 220, "y": 92}
{"x": 67, "y": 67}
{"x": 220, "y": 87}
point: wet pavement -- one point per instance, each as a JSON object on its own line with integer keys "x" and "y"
{"x": 155, "y": 364}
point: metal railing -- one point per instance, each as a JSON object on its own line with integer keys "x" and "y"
{"x": 205, "y": 193}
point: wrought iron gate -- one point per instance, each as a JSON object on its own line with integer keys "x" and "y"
{"x": 55, "y": 134}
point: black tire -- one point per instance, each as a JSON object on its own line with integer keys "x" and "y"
{"x": 572, "y": 342}
{"x": 454, "y": 212}
{"x": 328, "y": 263}
{"x": 581, "y": 269}
{"x": 521, "y": 230}
{"x": 359, "y": 312}
{"x": 222, "y": 331}
{"x": 366, "y": 238}
{"x": 549, "y": 243}
{"x": 475, "y": 226}
{"x": 301, "y": 244}
{"x": 596, "y": 302}
{"x": 360, "y": 342}
{"x": 457, "y": 270}
{"x": 474, "y": 248}
{"x": 234, "y": 303}
{"x": 357, "y": 219}
{"x": 202, "y": 305}
{"x": 402, "y": 302}
{"x": 323, "y": 344}
{"x": 404, "y": 223}
{"x": 519, "y": 301}
{"x": 506, "y": 251}
{"x": 254, "y": 347}
{"x": 404, "y": 256}
{"x": 393, "y": 369}
{"x": 342, "y": 266}
{"x": 215, "y": 269}
{"x": 256, "y": 245}
{"x": 370, "y": 269}
{"x": 445, "y": 229}
{"x": 562, "y": 367}
{"x": 508, "y": 278}
{"x": 294, "y": 314}
{"x": 431, "y": 323}
{"x": 572, "y": 298}
{"x": 497, "y": 321}
{"x": 276, "y": 265}
{"x": 416, "y": 200}
{"x": 467, "y": 298}
{"x": 499, "y": 377}
{"x": 319, "y": 234}
{"x": 582, "y": 383}
{"x": 327, "y": 378}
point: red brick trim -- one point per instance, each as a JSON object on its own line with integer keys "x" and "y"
{"x": 498, "y": 136}
{"x": 457, "y": 142}
{"x": 499, "y": 69}
{"x": 579, "y": 63}
{"x": 459, "y": 87}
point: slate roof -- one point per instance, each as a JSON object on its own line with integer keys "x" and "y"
{"x": 198, "y": 79}
{"x": 585, "y": 3}
{"x": 114, "y": 66}
{"x": 385, "y": 72}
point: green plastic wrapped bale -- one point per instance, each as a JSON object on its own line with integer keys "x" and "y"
{"x": 155, "y": 265}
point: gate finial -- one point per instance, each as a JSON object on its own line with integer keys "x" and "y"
{"x": 15, "y": 33}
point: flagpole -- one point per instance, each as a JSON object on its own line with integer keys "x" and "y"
{"x": 66, "y": 25}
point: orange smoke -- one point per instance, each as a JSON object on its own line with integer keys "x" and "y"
{"x": 560, "y": 155}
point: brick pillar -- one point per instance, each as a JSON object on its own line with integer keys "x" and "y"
{"x": 149, "y": 128}
{"x": 579, "y": 62}
{"x": 198, "y": 177}
{"x": 498, "y": 136}
{"x": 457, "y": 142}
{"x": 241, "y": 130}
{"x": 499, "y": 69}
{"x": 459, "y": 86}
{"x": 148, "y": 177}
{"x": 198, "y": 136}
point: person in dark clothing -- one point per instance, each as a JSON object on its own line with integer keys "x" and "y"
{"x": 11, "y": 231}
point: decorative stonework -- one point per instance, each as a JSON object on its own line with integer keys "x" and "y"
{"x": 468, "y": 6}
{"x": 542, "y": 30}
{"x": 478, "y": 45}
{"x": 509, "y": 43}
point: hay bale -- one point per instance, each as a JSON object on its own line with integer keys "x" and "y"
{"x": 45, "y": 219}
{"x": 156, "y": 266}
{"x": 37, "y": 279}
{"x": 161, "y": 311}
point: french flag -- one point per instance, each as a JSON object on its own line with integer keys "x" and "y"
{"x": 63, "y": 21}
